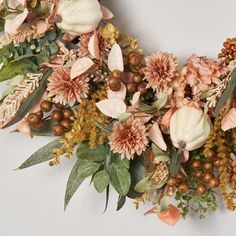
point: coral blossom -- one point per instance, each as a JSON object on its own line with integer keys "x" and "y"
{"x": 64, "y": 90}
{"x": 128, "y": 139}
{"x": 161, "y": 68}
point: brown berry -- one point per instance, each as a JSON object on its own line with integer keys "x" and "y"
{"x": 39, "y": 125}
{"x": 33, "y": 119}
{"x": 196, "y": 165}
{"x": 114, "y": 84}
{"x": 67, "y": 113}
{"x": 127, "y": 78}
{"x": 142, "y": 69}
{"x": 180, "y": 178}
{"x": 66, "y": 123}
{"x": 135, "y": 58}
{"x": 207, "y": 177}
{"x": 201, "y": 189}
{"x": 137, "y": 78}
{"x": 117, "y": 74}
{"x": 217, "y": 163}
{"x": 142, "y": 88}
{"x": 171, "y": 182}
{"x": 58, "y": 130}
{"x": 214, "y": 183}
{"x": 46, "y": 106}
{"x": 51, "y": 163}
{"x": 57, "y": 115}
{"x": 59, "y": 106}
{"x": 208, "y": 166}
{"x": 183, "y": 188}
{"x": 40, "y": 114}
{"x": 210, "y": 154}
{"x": 199, "y": 174}
{"x": 131, "y": 88}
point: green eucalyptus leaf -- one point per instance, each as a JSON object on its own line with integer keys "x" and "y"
{"x": 46, "y": 131}
{"x": 146, "y": 108}
{"x": 162, "y": 100}
{"x": 123, "y": 117}
{"x": 121, "y": 202}
{"x": 164, "y": 204}
{"x": 120, "y": 179}
{"x": 42, "y": 155}
{"x": 31, "y": 100}
{"x": 107, "y": 198}
{"x": 87, "y": 168}
{"x": 2, "y": 24}
{"x": 162, "y": 158}
{"x": 175, "y": 164}
{"x": 85, "y": 153}
{"x": 13, "y": 69}
{"x": 73, "y": 183}
{"x": 101, "y": 180}
{"x": 228, "y": 93}
{"x": 143, "y": 185}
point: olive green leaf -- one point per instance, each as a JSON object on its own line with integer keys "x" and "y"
{"x": 162, "y": 100}
{"x": 101, "y": 180}
{"x": 31, "y": 100}
{"x": 85, "y": 153}
{"x": 143, "y": 185}
{"x": 46, "y": 131}
{"x": 121, "y": 202}
{"x": 87, "y": 168}
{"x": 42, "y": 155}
{"x": 175, "y": 164}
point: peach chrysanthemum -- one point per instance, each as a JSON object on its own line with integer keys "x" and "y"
{"x": 128, "y": 139}
{"x": 83, "y": 50}
{"x": 64, "y": 90}
{"x": 161, "y": 68}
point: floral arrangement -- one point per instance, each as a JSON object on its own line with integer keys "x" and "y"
{"x": 155, "y": 132}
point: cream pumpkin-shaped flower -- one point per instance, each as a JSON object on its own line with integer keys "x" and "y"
{"x": 189, "y": 128}
{"x": 79, "y": 16}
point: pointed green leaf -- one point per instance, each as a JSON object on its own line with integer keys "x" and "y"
{"x": 73, "y": 183}
{"x": 31, "y": 100}
{"x": 87, "y": 168}
{"x": 162, "y": 100}
{"x": 121, "y": 202}
{"x": 143, "y": 185}
{"x": 42, "y": 155}
{"x": 85, "y": 153}
{"x": 101, "y": 180}
{"x": 107, "y": 198}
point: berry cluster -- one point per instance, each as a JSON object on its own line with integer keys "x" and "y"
{"x": 228, "y": 53}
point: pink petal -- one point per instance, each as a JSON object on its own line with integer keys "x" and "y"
{"x": 185, "y": 156}
{"x": 93, "y": 46}
{"x": 23, "y": 127}
{"x": 115, "y": 58}
{"x": 156, "y": 136}
{"x": 229, "y": 121}
{"x": 165, "y": 121}
{"x": 41, "y": 26}
{"x": 135, "y": 98}
{"x": 106, "y": 13}
{"x": 11, "y": 25}
{"x": 112, "y": 107}
{"x": 80, "y": 66}
{"x": 121, "y": 94}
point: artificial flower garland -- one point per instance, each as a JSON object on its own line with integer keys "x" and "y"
{"x": 139, "y": 123}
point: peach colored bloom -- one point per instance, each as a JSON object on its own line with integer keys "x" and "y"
{"x": 128, "y": 139}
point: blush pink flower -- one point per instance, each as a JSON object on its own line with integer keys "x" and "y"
{"x": 128, "y": 139}
{"x": 64, "y": 90}
{"x": 161, "y": 68}
{"x": 202, "y": 74}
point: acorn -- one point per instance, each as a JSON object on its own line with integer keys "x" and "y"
{"x": 65, "y": 123}
{"x": 199, "y": 174}
{"x": 142, "y": 88}
{"x": 117, "y": 74}
{"x": 114, "y": 84}
{"x": 67, "y": 113}
{"x": 33, "y": 119}
{"x": 137, "y": 78}
{"x": 201, "y": 189}
{"x": 46, "y": 106}
{"x": 196, "y": 165}
{"x": 208, "y": 166}
{"x": 214, "y": 183}
{"x": 40, "y": 114}
{"x": 183, "y": 188}
{"x": 171, "y": 182}
{"x": 58, "y": 130}
{"x": 57, "y": 115}
{"x": 135, "y": 58}
{"x": 207, "y": 177}
{"x": 131, "y": 88}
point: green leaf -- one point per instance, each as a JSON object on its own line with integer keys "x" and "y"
{"x": 125, "y": 116}
{"x": 107, "y": 198}
{"x": 46, "y": 131}
{"x": 162, "y": 100}
{"x": 2, "y": 24}
{"x": 73, "y": 183}
{"x": 143, "y": 185}
{"x": 228, "y": 93}
{"x": 175, "y": 164}
{"x": 101, "y": 180}
{"x": 146, "y": 108}
{"x": 87, "y": 168}
{"x": 160, "y": 184}
{"x": 42, "y": 155}
{"x": 31, "y": 100}
{"x": 85, "y": 153}
{"x": 13, "y": 69}
{"x": 121, "y": 202}
{"x": 137, "y": 172}
{"x": 162, "y": 158}
{"x": 120, "y": 179}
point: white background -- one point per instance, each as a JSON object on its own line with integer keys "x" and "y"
{"x": 31, "y": 201}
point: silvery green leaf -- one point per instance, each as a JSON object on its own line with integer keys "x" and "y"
{"x": 123, "y": 117}
{"x": 162, "y": 158}
{"x": 162, "y": 100}
{"x": 143, "y": 185}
